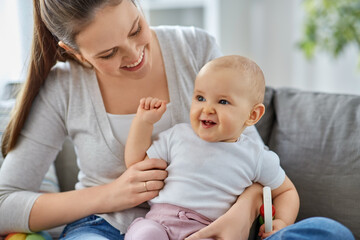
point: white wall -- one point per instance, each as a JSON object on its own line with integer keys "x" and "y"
{"x": 264, "y": 30}
{"x": 15, "y": 40}
{"x": 267, "y": 32}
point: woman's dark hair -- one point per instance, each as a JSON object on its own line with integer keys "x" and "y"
{"x": 54, "y": 20}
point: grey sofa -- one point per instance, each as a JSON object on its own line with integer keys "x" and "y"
{"x": 316, "y": 135}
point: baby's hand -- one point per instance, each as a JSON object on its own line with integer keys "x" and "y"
{"x": 277, "y": 225}
{"x": 151, "y": 109}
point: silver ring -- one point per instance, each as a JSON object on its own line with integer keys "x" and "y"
{"x": 145, "y": 187}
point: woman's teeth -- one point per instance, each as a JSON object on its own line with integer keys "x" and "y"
{"x": 137, "y": 62}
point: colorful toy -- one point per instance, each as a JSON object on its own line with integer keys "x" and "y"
{"x": 29, "y": 236}
{"x": 16, "y": 236}
{"x": 267, "y": 210}
{"x": 261, "y": 217}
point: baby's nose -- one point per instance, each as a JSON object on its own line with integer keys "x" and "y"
{"x": 208, "y": 109}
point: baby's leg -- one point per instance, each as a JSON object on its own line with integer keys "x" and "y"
{"x": 146, "y": 229}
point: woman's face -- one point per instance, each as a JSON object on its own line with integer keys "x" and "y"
{"x": 117, "y": 42}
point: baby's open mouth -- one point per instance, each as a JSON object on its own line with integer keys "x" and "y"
{"x": 208, "y": 123}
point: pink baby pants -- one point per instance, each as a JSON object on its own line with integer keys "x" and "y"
{"x": 166, "y": 222}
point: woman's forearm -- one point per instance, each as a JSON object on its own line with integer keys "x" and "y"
{"x": 55, "y": 209}
{"x": 246, "y": 209}
{"x": 236, "y": 222}
{"x": 249, "y": 202}
{"x": 127, "y": 191}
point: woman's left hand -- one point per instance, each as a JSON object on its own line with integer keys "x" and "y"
{"x": 235, "y": 224}
{"x": 223, "y": 228}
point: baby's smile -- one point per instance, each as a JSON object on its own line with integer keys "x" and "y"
{"x": 207, "y": 123}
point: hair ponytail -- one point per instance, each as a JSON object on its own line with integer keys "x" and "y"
{"x": 44, "y": 54}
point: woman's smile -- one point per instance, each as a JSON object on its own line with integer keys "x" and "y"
{"x": 136, "y": 65}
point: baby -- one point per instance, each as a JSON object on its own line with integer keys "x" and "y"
{"x": 212, "y": 160}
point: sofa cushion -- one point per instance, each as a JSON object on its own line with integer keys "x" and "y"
{"x": 265, "y": 124}
{"x": 317, "y": 137}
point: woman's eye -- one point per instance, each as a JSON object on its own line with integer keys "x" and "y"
{"x": 222, "y": 101}
{"x": 138, "y": 30}
{"x": 109, "y": 55}
{"x": 200, "y": 98}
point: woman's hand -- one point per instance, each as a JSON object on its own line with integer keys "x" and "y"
{"x": 223, "y": 228}
{"x": 139, "y": 183}
{"x": 235, "y": 224}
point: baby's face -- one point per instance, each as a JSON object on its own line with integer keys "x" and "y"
{"x": 220, "y": 106}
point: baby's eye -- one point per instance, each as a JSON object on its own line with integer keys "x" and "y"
{"x": 222, "y": 101}
{"x": 200, "y": 98}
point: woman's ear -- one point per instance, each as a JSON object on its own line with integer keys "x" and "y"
{"x": 71, "y": 51}
{"x": 76, "y": 54}
{"x": 255, "y": 115}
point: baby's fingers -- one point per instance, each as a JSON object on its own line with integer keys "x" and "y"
{"x": 147, "y": 103}
{"x": 262, "y": 232}
{"x": 155, "y": 103}
{"x": 162, "y": 106}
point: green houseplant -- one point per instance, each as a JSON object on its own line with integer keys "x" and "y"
{"x": 330, "y": 26}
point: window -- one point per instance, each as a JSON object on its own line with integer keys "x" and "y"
{"x": 15, "y": 41}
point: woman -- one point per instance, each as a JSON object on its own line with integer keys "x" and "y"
{"x": 106, "y": 58}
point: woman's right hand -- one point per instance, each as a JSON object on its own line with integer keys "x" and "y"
{"x": 55, "y": 209}
{"x": 139, "y": 183}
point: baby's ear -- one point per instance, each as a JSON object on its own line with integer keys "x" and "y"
{"x": 256, "y": 113}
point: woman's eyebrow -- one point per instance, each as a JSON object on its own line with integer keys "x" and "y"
{"x": 132, "y": 27}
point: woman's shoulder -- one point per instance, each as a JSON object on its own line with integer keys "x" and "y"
{"x": 65, "y": 69}
{"x": 67, "y": 74}
{"x": 60, "y": 72}
{"x": 189, "y": 33}
{"x": 64, "y": 79}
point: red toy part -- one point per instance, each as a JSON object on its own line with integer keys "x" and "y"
{"x": 262, "y": 210}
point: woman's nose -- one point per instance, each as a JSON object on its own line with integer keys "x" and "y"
{"x": 131, "y": 53}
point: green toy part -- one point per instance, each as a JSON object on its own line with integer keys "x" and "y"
{"x": 29, "y": 236}
{"x": 34, "y": 236}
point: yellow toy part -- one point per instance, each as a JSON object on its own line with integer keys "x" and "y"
{"x": 16, "y": 236}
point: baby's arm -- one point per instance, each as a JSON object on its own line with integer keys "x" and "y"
{"x": 148, "y": 113}
{"x": 286, "y": 202}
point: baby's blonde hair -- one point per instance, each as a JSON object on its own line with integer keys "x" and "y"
{"x": 248, "y": 70}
